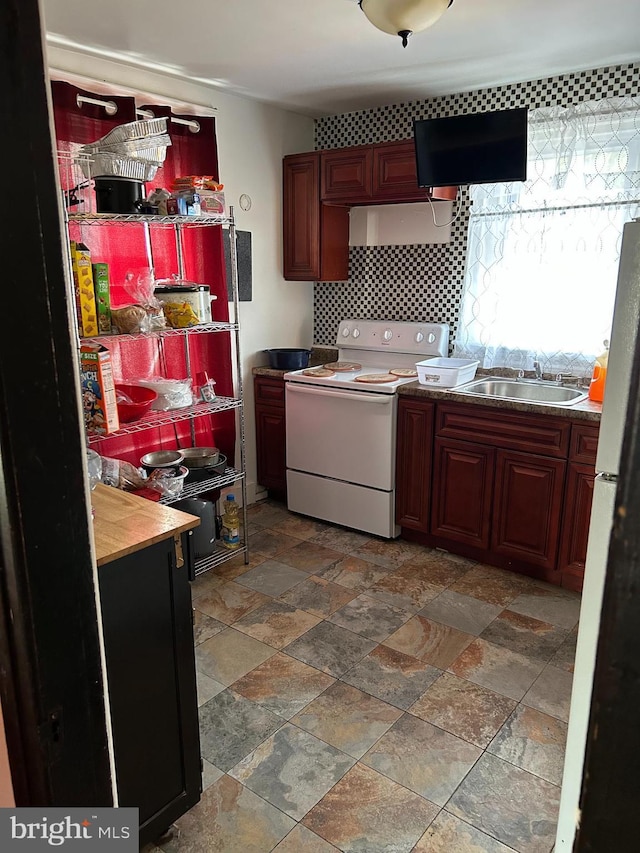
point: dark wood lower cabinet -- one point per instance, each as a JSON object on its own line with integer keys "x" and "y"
{"x": 147, "y": 620}
{"x": 504, "y": 488}
{"x": 413, "y": 463}
{"x": 271, "y": 435}
{"x": 463, "y": 484}
{"x": 528, "y": 507}
{"x": 575, "y": 530}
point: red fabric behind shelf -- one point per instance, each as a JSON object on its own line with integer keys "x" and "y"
{"x": 124, "y": 248}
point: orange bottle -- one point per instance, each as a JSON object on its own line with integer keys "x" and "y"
{"x": 599, "y": 378}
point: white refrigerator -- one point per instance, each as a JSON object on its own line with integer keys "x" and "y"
{"x": 624, "y": 340}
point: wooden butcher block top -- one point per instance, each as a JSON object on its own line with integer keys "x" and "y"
{"x": 126, "y": 523}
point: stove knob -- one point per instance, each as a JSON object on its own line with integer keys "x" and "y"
{"x": 387, "y": 335}
{"x": 356, "y": 333}
{"x": 431, "y": 338}
{"x": 419, "y": 337}
{"x": 345, "y": 332}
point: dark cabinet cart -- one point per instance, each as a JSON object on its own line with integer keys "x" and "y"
{"x": 145, "y": 599}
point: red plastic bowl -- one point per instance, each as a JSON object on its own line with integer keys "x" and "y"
{"x": 141, "y": 400}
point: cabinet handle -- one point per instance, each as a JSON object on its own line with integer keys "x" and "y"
{"x": 354, "y": 396}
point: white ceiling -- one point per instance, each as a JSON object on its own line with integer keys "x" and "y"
{"x": 323, "y": 57}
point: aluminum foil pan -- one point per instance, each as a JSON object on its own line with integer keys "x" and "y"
{"x": 134, "y": 130}
{"x": 152, "y": 149}
{"x": 108, "y": 165}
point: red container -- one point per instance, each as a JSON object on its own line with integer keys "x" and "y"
{"x": 141, "y": 400}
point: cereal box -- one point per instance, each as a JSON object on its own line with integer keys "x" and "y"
{"x": 98, "y": 390}
{"x": 85, "y": 295}
{"x": 103, "y": 300}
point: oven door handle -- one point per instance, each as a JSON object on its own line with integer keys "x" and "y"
{"x": 354, "y": 396}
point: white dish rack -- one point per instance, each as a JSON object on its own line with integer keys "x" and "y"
{"x": 446, "y": 372}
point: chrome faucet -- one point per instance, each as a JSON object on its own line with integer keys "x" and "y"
{"x": 561, "y": 378}
{"x": 538, "y": 369}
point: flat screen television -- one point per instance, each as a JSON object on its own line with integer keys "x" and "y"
{"x": 478, "y": 148}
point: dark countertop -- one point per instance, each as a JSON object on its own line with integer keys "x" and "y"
{"x": 587, "y": 410}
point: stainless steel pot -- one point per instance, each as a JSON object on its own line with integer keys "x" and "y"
{"x": 200, "y": 457}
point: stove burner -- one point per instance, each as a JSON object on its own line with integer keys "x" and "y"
{"x": 376, "y": 378}
{"x": 343, "y": 366}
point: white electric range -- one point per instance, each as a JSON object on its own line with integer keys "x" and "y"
{"x": 341, "y": 432}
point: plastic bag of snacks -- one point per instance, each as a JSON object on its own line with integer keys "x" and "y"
{"x": 145, "y": 314}
{"x": 121, "y": 474}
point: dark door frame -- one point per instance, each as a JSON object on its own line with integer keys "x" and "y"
{"x": 51, "y": 682}
{"x": 609, "y": 798}
{"x": 50, "y": 662}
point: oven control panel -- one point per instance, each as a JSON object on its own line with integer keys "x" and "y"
{"x": 421, "y": 339}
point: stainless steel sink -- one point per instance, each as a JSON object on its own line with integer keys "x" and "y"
{"x": 526, "y": 390}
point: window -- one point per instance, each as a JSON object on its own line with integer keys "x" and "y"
{"x": 542, "y": 255}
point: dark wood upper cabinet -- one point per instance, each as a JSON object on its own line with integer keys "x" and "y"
{"x": 301, "y": 220}
{"x": 319, "y": 187}
{"x": 375, "y": 174}
{"x": 345, "y": 174}
{"x": 395, "y": 177}
{"x": 315, "y": 235}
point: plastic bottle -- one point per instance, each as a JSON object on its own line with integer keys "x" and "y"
{"x": 231, "y": 523}
{"x": 599, "y": 378}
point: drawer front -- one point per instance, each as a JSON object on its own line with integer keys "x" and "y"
{"x": 269, "y": 391}
{"x": 584, "y": 443}
{"x": 529, "y": 433}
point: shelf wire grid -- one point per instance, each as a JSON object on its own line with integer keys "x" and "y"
{"x": 219, "y": 556}
{"x": 192, "y": 490}
{"x": 201, "y": 329}
{"x": 158, "y": 419}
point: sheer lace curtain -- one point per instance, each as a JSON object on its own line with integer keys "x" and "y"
{"x": 543, "y": 254}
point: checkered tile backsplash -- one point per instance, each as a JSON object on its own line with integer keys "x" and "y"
{"x": 425, "y": 282}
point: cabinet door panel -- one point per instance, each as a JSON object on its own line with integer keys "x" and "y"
{"x": 413, "y": 464}
{"x": 346, "y": 174}
{"x": 575, "y": 524}
{"x": 271, "y": 447}
{"x": 148, "y": 638}
{"x": 462, "y": 491}
{"x": 301, "y": 217}
{"x": 527, "y": 507}
{"x": 394, "y": 172}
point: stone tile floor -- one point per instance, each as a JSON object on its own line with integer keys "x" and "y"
{"x": 367, "y": 696}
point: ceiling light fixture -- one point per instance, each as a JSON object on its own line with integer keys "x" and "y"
{"x": 403, "y": 17}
